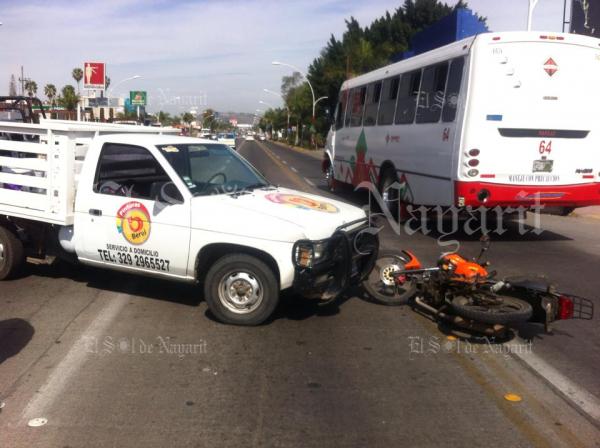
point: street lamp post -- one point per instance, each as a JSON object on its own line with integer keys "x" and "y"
{"x": 121, "y": 82}
{"x": 108, "y": 91}
{"x": 312, "y": 91}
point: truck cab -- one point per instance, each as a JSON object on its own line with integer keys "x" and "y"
{"x": 193, "y": 210}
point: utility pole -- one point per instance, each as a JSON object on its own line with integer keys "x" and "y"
{"x": 22, "y": 80}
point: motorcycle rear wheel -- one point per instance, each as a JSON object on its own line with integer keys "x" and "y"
{"x": 508, "y": 311}
{"x": 380, "y": 284}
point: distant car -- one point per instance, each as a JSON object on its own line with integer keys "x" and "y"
{"x": 249, "y": 137}
{"x": 262, "y": 137}
{"x": 227, "y": 139}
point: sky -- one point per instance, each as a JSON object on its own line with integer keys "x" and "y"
{"x": 199, "y": 53}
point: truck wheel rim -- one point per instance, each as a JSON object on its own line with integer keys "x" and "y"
{"x": 1, "y": 253}
{"x": 240, "y": 292}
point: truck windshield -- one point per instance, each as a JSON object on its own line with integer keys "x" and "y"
{"x": 211, "y": 168}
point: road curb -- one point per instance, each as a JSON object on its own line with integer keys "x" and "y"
{"x": 318, "y": 154}
{"x": 582, "y": 401}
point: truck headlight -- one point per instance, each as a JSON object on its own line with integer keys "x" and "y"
{"x": 304, "y": 255}
{"x": 307, "y": 253}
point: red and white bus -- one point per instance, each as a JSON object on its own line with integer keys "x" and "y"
{"x": 500, "y": 119}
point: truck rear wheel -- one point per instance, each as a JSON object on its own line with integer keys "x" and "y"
{"x": 12, "y": 255}
{"x": 241, "y": 290}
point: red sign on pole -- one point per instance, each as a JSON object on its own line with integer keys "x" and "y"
{"x": 94, "y": 75}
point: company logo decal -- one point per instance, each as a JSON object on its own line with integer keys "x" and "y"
{"x": 550, "y": 66}
{"x": 302, "y": 202}
{"x": 133, "y": 222}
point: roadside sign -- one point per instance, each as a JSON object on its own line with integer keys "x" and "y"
{"x": 94, "y": 75}
{"x": 138, "y": 98}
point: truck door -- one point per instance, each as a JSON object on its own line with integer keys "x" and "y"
{"x": 133, "y": 216}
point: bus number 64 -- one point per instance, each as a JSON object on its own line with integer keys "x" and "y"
{"x": 545, "y": 147}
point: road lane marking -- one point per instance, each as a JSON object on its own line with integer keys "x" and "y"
{"x": 284, "y": 162}
{"x": 295, "y": 178}
{"x": 74, "y": 360}
{"x": 309, "y": 182}
{"x": 294, "y": 169}
{"x": 580, "y": 397}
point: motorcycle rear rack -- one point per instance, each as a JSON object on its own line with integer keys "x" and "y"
{"x": 582, "y": 308}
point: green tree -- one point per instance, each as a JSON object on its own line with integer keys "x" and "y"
{"x": 77, "y": 75}
{"x": 164, "y": 118}
{"x": 209, "y": 120}
{"x": 362, "y": 49}
{"x": 31, "y": 87}
{"x": 50, "y": 92}
{"x": 68, "y": 98}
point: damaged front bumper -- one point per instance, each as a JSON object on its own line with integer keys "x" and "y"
{"x": 325, "y": 268}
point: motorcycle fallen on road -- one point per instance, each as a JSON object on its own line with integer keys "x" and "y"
{"x": 465, "y": 294}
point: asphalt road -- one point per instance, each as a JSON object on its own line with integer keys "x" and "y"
{"x": 119, "y": 361}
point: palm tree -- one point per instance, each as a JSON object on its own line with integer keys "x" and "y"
{"x": 50, "y": 92}
{"x": 77, "y": 75}
{"x": 31, "y": 87}
{"x": 69, "y": 99}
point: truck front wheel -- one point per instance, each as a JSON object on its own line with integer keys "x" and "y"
{"x": 12, "y": 255}
{"x": 241, "y": 290}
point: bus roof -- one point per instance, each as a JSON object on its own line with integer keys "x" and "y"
{"x": 462, "y": 47}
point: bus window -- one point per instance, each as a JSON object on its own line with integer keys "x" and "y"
{"x": 372, "y": 103}
{"x": 431, "y": 95}
{"x": 349, "y": 107}
{"x": 453, "y": 89}
{"x": 358, "y": 103}
{"x": 387, "y": 105}
{"x": 407, "y": 97}
{"x": 339, "y": 119}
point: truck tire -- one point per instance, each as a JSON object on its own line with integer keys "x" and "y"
{"x": 240, "y": 289}
{"x": 12, "y": 254}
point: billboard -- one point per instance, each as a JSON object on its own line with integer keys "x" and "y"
{"x": 138, "y": 98}
{"x": 585, "y": 17}
{"x": 94, "y": 75}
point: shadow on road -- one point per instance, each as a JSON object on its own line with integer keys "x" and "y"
{"x": 15, "y": 334}
{"x": 466, "y": 228}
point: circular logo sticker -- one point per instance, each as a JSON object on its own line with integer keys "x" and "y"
{"x": 302, "y": 202}
{"x": 133, "y": 222}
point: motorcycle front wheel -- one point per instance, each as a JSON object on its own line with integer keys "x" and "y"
{"x": 506, "y": 310}
{"x": 381, "y": 286}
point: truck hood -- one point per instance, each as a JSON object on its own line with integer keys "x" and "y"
{"x": 278, "y": 214}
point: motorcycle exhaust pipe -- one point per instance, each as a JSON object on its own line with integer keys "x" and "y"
{"x": 493, "y": 330}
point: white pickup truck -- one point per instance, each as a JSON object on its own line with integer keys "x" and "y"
{"x": 143, "y": 201}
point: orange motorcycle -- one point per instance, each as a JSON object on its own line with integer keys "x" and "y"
{"x": 464, "y": 293}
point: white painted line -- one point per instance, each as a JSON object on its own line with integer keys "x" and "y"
{"x": 293, "y": 169}
{"x": 586, "y": 401}
{"x": 61, "y": 376}
{"x": 309, "y": 182}
{"x": 284, "y": 162}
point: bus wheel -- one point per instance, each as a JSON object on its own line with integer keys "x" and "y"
{"x": 391, "y": 196}
{"x": 329, "y": 177}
